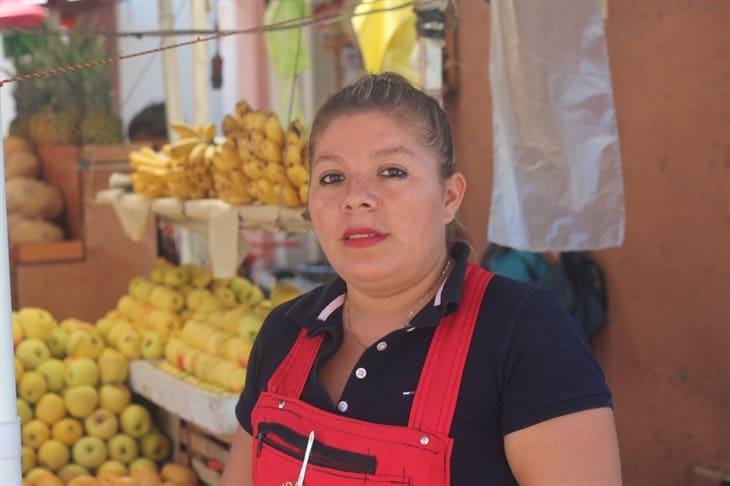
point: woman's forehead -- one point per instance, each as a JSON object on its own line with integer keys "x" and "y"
{"x": 377, "y": 131}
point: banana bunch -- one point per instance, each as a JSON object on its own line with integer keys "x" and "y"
{"x": 258, "y": 169}
{"x": 150, "y": 172}
{"x": 191, "y": 160}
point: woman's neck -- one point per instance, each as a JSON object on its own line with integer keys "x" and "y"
{"x": 374, "y": 312}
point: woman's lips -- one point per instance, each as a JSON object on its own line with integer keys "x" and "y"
{"x": 362, "y": 237}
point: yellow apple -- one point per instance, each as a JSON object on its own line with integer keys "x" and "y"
{"x": 114, "y": 398}
{"x": 82, "y": 371}
{"x": 237, "y": 350}
{"x": 123, "y": 448}
{"x": 90, "y": 452}
{"x": 213, "y": 344}
{"x": 195, "y": 297}
{"x": 241, "y": 287}
{"x": 32, "y": 352}
{"x": 236, "y": 380}
{"x": 36, "y": 323}
{"x": 249, "y": 326}
{"x": 83, "y": 344}
{"x": 158, "y": 273}
{"x": 17, "y": 333}
{"x": 102, "y": 424}
{"x": 179, "y": 474}
{"x": 142, "y": 463}
{"x": 25, "y": 413}
{"x": 140, "y": 288}
{"x": 229, "y": 323}
{"x": 155, "y": 446}
{"x": 70, "y": 471}
{"x": 202, "y": 277}
{"x": 32, "y": 386}
{"x": 49, "y": 480}
{"x": 164, "y": 298}
{"x": 153, "y": 346}
{"x": 54, "y": 371}
{"x": 226, "y": 296}
{"x": 53, "y": 455}
{"x": 50, "y": 408}
{"x": 116, "y": 331}
{"x": 104, "y": 325}
{"x": 81, "y": 400}
{"x": 112, "y": 468}
{"x": 164, "y": 322}
{"x": 19, "y": 370}
{"x": 113, "y": 367}
{"x": 176, "y": 276}
{"x": 127, "y": 306}
{"x": 35, "y": 474}
{"x": 58, "y": 343}
{"x": 201, "y": 364}
{"x": 72, "y": 324}
{"x": 68, "y": 431}
{"x": 135, "y": 421}
{"x": 130, "y": 344}
{"x": 85, "y": 480}
{"x": 27, "y": 459}
{"x": 35, "y": 433}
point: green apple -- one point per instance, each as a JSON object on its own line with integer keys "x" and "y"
{"x": 82, "y": 371}
{"x": 32, "y": 386}
{"x": 114, "y": 398}
{"x": 155, "y": 446}
{"x": 112, "y": 468}
{"x": 70, "y": 471}
{"x": 142, "y": 463}
{"x": 25, "y": 413}
{"x": 130, "y": 344}
{"x": 123, "y": 448}
{"x": 102, "y": 424}
{"x": 53, "y": 455}
{"x": 153, "y": 346}
{"x": 249, "y": 326}
{"x": 226, "y": 296}
{"x": 67, "y": 430}
{"x": 32, "y": 352}
{"x": 90, "y": 452}
{"x": 58, "y": 343}
{"x": 81, "y": 400}
{"x": 85, "y": 344}
{"x": 241, "y": 287}
{"x": 54, "y": 371}
{"x": 35, "y": 433}
{"x": 37, "y": 323}
{"x": 27, "y": 459}
{"x": 50, "y": 408}
{"x": 135, "y": 421}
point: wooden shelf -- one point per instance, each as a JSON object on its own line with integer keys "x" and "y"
{"x": 47, "y": 252}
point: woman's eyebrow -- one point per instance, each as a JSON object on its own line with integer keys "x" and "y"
{"x": 327, "y": 158}
{"x": 396, "y": 150}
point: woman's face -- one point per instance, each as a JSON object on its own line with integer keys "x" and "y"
{"x": 377, "y": 201}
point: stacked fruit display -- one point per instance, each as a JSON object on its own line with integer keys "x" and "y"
{"x": 182, "y": 170}
{"x": 261, "y": 162}
{"x": 76, "y": 411}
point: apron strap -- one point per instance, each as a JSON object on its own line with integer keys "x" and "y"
{"x": 438, "y": 387}
{"x": 292, "y": 374}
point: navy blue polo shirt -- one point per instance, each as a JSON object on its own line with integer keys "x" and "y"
{"x": 528, "y": 362}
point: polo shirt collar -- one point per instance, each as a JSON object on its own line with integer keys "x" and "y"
{"x": 322, "y": 311}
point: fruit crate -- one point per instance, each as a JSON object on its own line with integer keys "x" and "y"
{"x": 207, "y": 452}
{"x": 210, "y": 411}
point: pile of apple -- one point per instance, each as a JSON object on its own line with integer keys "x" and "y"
{"x": 202, "y": 326}
{"x": 75, "y": 409}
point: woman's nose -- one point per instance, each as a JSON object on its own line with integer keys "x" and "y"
{"x": 359, "y": 196}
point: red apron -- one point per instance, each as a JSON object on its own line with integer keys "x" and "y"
{"x": 349, "y": 452}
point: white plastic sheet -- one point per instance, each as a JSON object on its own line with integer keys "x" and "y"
{"x": 557, "y": 166}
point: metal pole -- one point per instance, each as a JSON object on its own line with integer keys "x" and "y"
{"x": 10, "y": 469}
{"x": 430, "y": 24}
{"x": 170, "y": 68}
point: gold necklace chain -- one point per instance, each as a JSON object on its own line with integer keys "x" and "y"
{"x": 418, "y": 306}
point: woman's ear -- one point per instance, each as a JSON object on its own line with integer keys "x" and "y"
{"x": 454, "y": 189}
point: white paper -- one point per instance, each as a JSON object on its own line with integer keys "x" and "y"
{"x": 557, "y": 166}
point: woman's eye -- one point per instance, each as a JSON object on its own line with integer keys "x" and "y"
{"x": 331, "y": 179}
{"x": 393, "y": 172}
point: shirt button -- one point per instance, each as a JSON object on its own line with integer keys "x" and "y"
{"x": 342, "y": 406}
{"x": 410, "y": 329}
{"x": 382, "y": 346}
{"x": 361, "y": 373}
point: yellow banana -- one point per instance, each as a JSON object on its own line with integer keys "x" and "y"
{"x": 182, "y": 148}
{"x": 252, "y": 189}
{"x": 273, "y": 130}
{"x": 231, "y": 126}
{"x": 295, "y": 134}
{"x": 298, "y": 175}
{"x": 209, "y": 153}
{"x": 254, "y": 120}
{"x": 269, "y": 151}
{"x": 207, "y": 132}
{"x": 197, "y": 154}
{"x": 274, "y": 172}
{"x": 290, "y": 196}
{"x": 293, "y": 154}
{"x": 254, "y": 169}
{"x": 241, "y": 109}
{"x": 304, "y": 193}
{"x": 183, "y": 130}
{"x": 230, "y": 154}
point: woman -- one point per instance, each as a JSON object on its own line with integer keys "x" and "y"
{"x": 413, "y": 367}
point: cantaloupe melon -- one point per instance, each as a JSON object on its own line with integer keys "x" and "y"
{"x": 22, "y": 230}
{"x": 33, "y": 199}
{"x": 21, "y": 164}
{"x": 14, "y": 144}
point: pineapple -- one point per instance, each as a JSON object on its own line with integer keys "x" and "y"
{"x": 100, "y": 124}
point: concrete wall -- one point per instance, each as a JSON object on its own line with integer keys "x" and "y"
{"x": 666, "y": 352}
